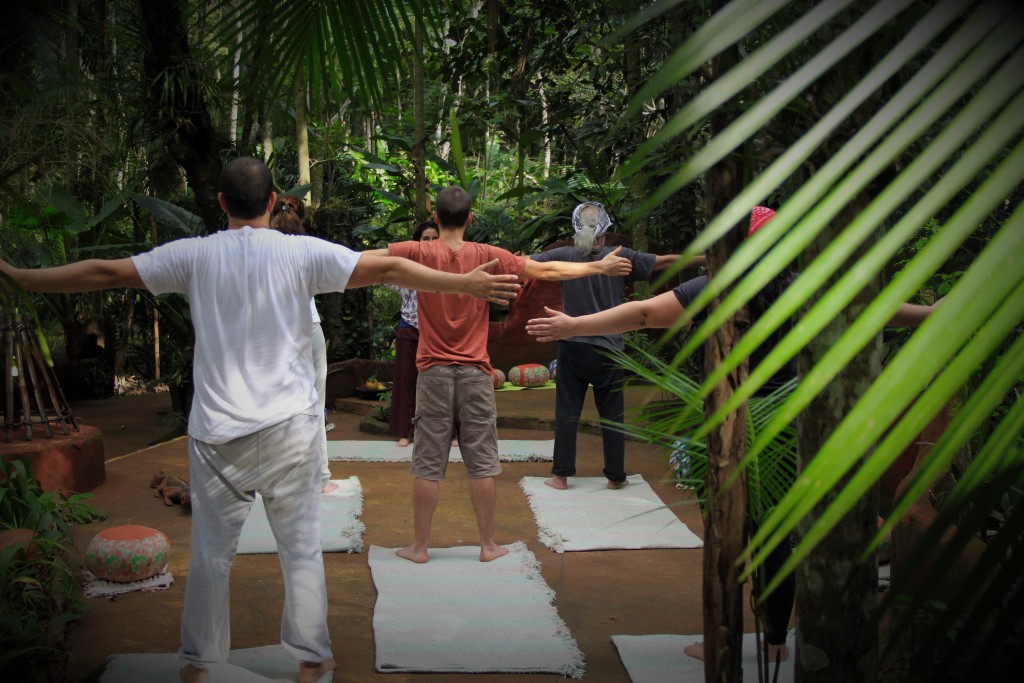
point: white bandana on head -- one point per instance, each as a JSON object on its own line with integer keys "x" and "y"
{"x": 590, "y": 221}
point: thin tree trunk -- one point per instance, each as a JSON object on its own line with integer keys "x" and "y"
{"x": 419, "y": 159}
{"x": 544, "y": 122}
{"x": 267, "y": 133}
{"x": 236, "y": 72}
{"x": 726, "y": 509}
{"x": 301, "y": 131}
{"x": 835, "y": 592}
{"x": 631, "y": 58}
{"x": 122, "y": 349}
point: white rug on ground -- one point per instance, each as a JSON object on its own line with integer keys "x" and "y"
{"x": 509, "y": 450}
{"x": 93, "y": 587}
{"x": 660, "y": 659}
{"x": 457, "y": 614}
{"x": 590, "y": 516}
{"x": 253, "y": 665}
{"x": 341, "y": 530}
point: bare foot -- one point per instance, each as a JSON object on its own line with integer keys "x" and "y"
{"x": 331, "y": 486}
{"x": 314, "y": 671}
{"x": 403, "y": 442}
{"x": 615, "y": 485}
{"x": 695, "y": 650}
{"x": 191, "y": 673}
{"x": 557, "y": 482}
{"x": 413, "y": 555}
{"x": 455, "y": 443}
{"x": 492, "y": 552}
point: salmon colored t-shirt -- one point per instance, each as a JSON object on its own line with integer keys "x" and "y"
{"x": 453, "y": 327}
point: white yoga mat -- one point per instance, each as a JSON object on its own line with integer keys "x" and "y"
{"x": 457, "y": 614}
{"x": 590, "y": 516}
{"x": 93, "y": 587}
{"x": 509, "y": 450}
{"x": 660, "y": 659}
{"x": 341, "y": 530}
{"x": 253, "y": 665}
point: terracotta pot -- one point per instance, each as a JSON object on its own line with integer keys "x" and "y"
{"x": 127, "y": 553}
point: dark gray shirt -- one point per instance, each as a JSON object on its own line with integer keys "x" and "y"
{"x": 596, "y": 293}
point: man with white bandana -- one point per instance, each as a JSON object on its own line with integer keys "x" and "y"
{"x": 583, "y": 361}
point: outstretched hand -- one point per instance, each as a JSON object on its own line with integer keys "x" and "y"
{"x": 613, "y": 264}
{"x": 498, "y": 289}
{"x": 557, "y": 326}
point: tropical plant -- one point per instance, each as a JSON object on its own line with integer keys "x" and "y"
{"x": 897, "y": 113}
{"x": 674, "y": 424}
{"x": 37, "y": 585}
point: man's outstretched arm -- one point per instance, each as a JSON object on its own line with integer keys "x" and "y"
{"x": 612, "y": 264}
{"x": 84, "y": 276}
{"x": 658, "y": 312}
{"x": 663, "y": 261}
{"x": 372, "y": 269}
{"x": 912, "y": 315}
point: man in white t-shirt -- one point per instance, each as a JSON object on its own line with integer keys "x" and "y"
{"x": 255, "y": 422}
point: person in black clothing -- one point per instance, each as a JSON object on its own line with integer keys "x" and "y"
{"x": 662, "y": 312}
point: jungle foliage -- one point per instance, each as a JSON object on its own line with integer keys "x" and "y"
{"x": 887, "y": 134}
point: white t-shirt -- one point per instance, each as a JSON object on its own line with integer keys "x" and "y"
{"x": 249, "y": 291}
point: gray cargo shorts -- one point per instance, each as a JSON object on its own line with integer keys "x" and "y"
{"x": 449, "y": 397}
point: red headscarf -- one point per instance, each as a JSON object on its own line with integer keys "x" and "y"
{"x": 758, "y": 217}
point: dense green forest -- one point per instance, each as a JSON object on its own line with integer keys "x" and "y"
{"x": 888, "y": 135}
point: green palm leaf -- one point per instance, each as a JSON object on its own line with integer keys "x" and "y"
{"x": 957, "y": 105}
{"x": 342, "y": 48}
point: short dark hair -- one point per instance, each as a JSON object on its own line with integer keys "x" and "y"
{"x": 453, "y": 206}
{"x": 247, "y": 185}
{"x": 417, "y": 234}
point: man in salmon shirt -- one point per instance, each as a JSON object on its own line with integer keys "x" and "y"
{"x": 455, "y": 387}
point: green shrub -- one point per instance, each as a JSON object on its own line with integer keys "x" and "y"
{"x": 38, "y": 589}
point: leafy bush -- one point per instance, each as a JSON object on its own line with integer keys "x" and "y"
{"x": 37, "y": 586}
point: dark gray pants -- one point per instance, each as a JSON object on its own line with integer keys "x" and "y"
{"x": 580, "y": 366}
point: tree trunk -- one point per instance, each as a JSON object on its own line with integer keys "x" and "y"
{"x": 419, "y": 158}
{"x": 836, "y": 593}
{"x": 726, "y": 509}
{"x": 301, "y": 131}
{"x": 236, "y": 73}
{"x": 174, "y": 104}
{"x": 544, "y": 123}
{"x": 267, "y": 133}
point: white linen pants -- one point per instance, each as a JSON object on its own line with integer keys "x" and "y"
{"x": 282, "y": 463}
{"x": 320, "y": 366}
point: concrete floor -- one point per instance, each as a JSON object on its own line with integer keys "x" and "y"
{"x": 599, "y": 594}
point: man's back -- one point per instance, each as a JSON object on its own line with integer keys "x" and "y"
{"x": 453, "y": 327}
{"x": 596, "y": 293}
{"x": 249, "y": 292}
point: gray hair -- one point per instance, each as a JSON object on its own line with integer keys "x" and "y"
{"x": 590, "y": 222}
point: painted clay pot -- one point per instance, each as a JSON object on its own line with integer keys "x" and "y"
{"x": 529, "y": 375}
{"x": 499, "y": 378}
{"x": 127, "y": 553}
